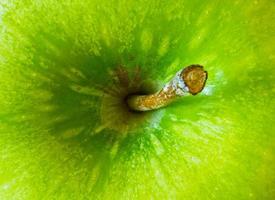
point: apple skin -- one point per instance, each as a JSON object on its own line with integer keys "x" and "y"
{"x": 65, "y": 67}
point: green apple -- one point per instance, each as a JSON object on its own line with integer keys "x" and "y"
{"x": 67, "y": 66}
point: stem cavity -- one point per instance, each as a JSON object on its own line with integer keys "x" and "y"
{"x": 191, "y": 80}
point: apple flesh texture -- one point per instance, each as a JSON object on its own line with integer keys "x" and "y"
{"x": 62, "y": 137}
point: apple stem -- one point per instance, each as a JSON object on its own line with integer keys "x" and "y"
{"x": 191, "y": 80}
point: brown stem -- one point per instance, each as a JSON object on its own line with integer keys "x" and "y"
{"x": 191, "y": 80}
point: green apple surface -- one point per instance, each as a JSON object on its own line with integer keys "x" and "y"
{"x": 67, "y": 66}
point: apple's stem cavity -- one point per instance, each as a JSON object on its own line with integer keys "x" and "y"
{"x": 191, "y": 80}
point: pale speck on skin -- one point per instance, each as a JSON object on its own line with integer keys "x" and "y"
{"x": 114, "y": 150}
{"x": 78, "y": 73}
{"x": 72, "y": 132}
{"x": 208, "y": 90}
{"x": 197, "y": 39}
{"x": 159, "y": 149}
{"x": 6, "y": 186}
{"x": 34, "y": 74}
{"x": 219, "y": 75}
{"x": 195, "y": 160}
{"x": 85, "y": 90}
{"x": 158, "y": 174}
{"x": 146, "y": 40}
{"x": 155, "y": 121}
{"x": 164, "y": 46}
